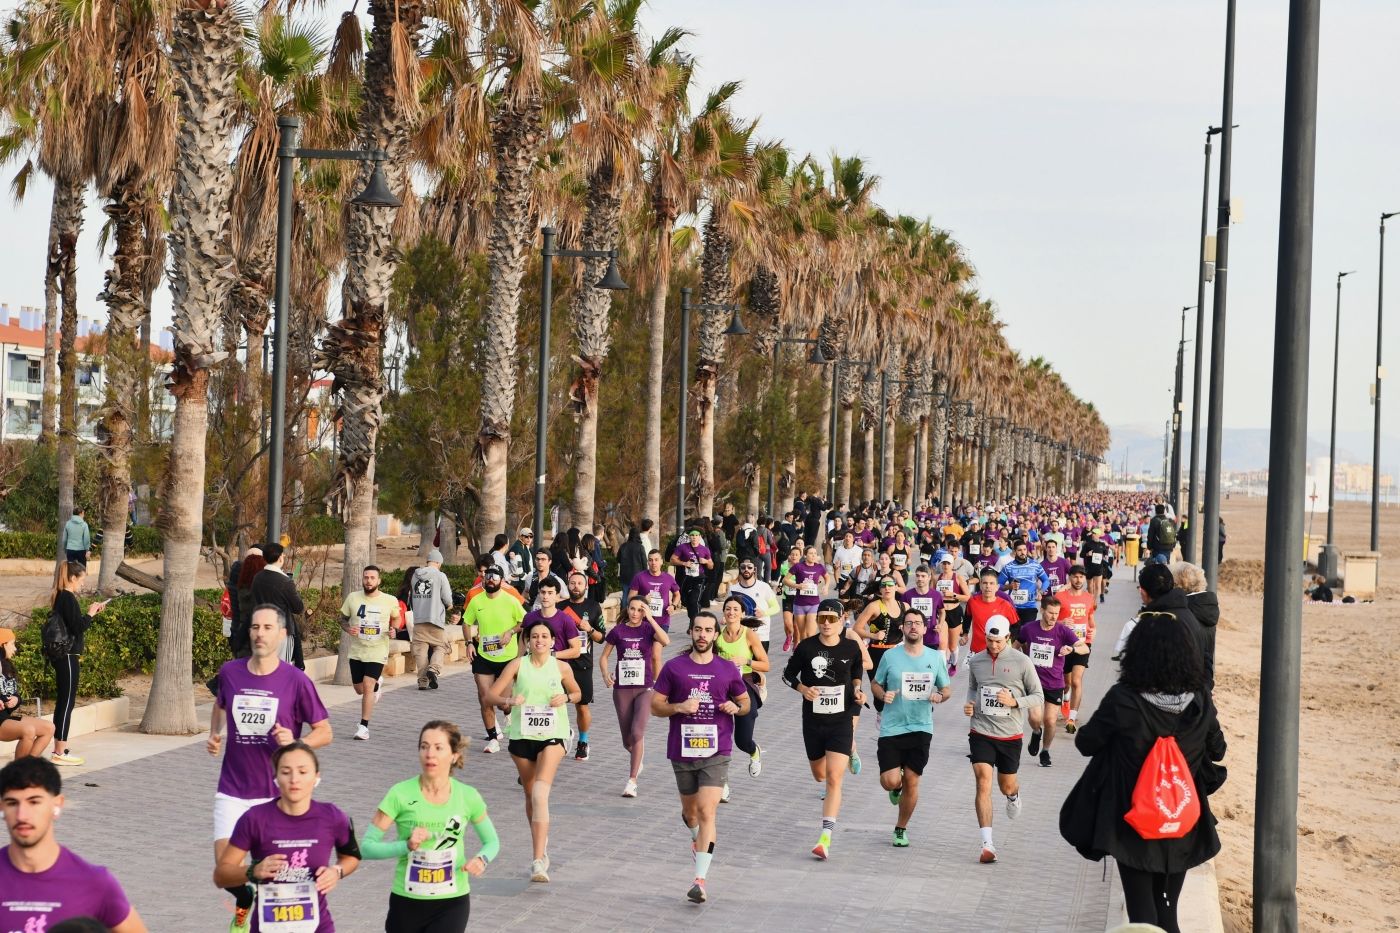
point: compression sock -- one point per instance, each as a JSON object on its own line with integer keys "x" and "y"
{"x": 702, "y": 861}
{"x": 242, "y": 895}
{"x": 492, "y": 734}
{"x": 694, "y": 830}
{"x": 583, "y": 736}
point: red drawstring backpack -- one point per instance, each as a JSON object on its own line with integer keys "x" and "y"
{"x": 1165, "y": 802}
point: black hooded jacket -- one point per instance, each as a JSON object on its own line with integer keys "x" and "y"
{"x": 1206, "y": 608}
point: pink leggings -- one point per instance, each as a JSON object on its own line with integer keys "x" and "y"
{"x": 633, "y": 705}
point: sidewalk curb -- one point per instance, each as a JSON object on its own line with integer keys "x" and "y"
{"x": 1199, "y": 910}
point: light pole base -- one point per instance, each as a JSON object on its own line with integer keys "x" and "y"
{"x": 1328, "y": 563}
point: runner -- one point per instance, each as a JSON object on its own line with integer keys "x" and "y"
{"x": 1095, "y": 554}
{"x": 301, "y": 849}
{"x": 1025, "y": 581}
{"x": 809, "y": 577}
{"x": 738, "y": 641}
{"x": 789, "y": 595}
{"x": 1001, "y": 682}
{"x": 878, "y": 623}
{"x": 766, "y": 604}
{"x": 42, "y": 882}
{"x": 701, "y": 735}
{"x": 658, "y": 588}
{"x": 1056, "y": 567}
{"x": 369, "y": 617}
{"x": 956, "y": 590}
{"x": 638, "y": 640}
{"x": 430, "y": 812}
{"x": 695, "y": 561}
{"x": 909, "y": 680}
{"x": 1079, "y": 605}
{"x": 826, "y": 670}
{"x": 265, "y": 702}
{"x": 591, "y": 626}
{"x": 1048, "y": 643}
{"x": 926, "y": 598}
{"x": 541, "y": 574}
{"x": 492, "y": 622}
{"x": 539, "y": 728}
{"x": 980, "y": 608}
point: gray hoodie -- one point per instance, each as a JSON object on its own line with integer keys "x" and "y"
{"x": 432, "y": 596}
{"x": 1013, "y": 671}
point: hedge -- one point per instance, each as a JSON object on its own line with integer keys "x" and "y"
{"x": 145, "y": 540}
{"x": 121, "y": 641}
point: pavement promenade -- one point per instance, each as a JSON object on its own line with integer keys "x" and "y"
{"x": 620, "y": 864}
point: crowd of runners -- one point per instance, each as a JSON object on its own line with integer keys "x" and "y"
{"x": 880, "y": 609}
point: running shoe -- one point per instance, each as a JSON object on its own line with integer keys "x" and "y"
{"x": 756, "y": 761}
{"x": 953, "y": 669}
{"x": 895, "y": 795}
{"x": 241, "y": 917}
{"x": 492, "y": 746}
{"x": 1045, "y": 758}
{"x": 823, "y": 846}
{"x": 1034, "y": 747}
{"x": 878, "y": 718}
{"x": 724, "y": 794}
{"x": 696, "y": 894}
{"x": 1064, "y": 710}
{"x": 787, "y": 643}
{"x": 988, "y": 856}
{"x": 67, "y": 758}
{"x": 855, "y": 762}
{"x": 362, "y": 732}
{"x": 1013, "y": 807}
{"x": 763, "y": 692}
{"x": 630, "y": 788}
{"x": 1071, "y": 727}
{"x": 539, "y": 870}
{"x": 432, "y": 680}
{"x": 901, "y": 838}
{"x": 581, "y": 753}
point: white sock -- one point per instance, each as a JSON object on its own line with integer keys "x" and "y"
{"x": 702, "y": 863}
{"x": 987, "y": 836}
{"x": 1073, "y": 715}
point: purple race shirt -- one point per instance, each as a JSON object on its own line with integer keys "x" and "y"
{"x": 693, "y": 553}
{"x": 308, "y": 841}
{"x": 563, "y": 624}
{"x": 253, "y": 704}
{"x": 682, "y": 678}
{"x": 632, "y": 644}
{"x": 1043, "y": 648}
{"x": 71, "y": 887}
{"x": 1058, "y": 572}
{"x": 656, "y": 590}
{"x": 929, "y": 604}
{"x": 809, "y": 575}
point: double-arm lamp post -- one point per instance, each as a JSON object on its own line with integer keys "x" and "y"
{"x": 376, "y": 194}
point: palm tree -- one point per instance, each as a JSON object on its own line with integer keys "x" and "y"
{"x": 203, "y": 49}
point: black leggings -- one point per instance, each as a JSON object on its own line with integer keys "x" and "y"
{"x": 1151, "y": 897}
{"x": 66, "y": 675}
{"x": 439, "y": 915}
{"x": 692, "y": 590}
{"x": 743, "y": 725}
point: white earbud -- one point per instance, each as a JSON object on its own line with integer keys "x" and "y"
{"x": 57, "y": 811}
{"x": 318, "y": 781}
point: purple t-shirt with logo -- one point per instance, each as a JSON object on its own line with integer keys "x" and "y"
{"x": 70, "y": 887}
{"x": 1058, "y": 572}
{"x": 656, "y": 590}
{"x": 929, "y": 604}
{"x": 1043, "y": 648}
{"x": 809, "y": 574}
{"x": 713, "y": 683}
{"x": 563, "y": 624}
{"x": 308, "y": 841}
{"x": 253, "y": 704}
{"x": 693, "y": 553}
{"x": 632, "y": 643}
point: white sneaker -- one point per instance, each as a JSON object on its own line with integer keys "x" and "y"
{"x": 491, "y": 747}
{"x": 756, "y": 761}
{"x": 1013, "y": 807}
{"x": 630, "y": 789}
{"x": 724, "y": 794}
{"x": 539, "y": 870}
{"x": 572, "y": 744}
{"x": 362, "y": 732}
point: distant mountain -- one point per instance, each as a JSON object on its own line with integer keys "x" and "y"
{"x": 1242, "y": 449}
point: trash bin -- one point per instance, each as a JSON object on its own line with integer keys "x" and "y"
{"x": 1133, "y": 552}
{"x": 1359, "y": 574}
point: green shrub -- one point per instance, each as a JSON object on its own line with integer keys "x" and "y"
{"x": 39, "y": 544}
{"x": 145, "y": 541}
{"x": 121, "y": 641}
{"x": 317, "y": 529}
{"x": 30, "y": 503}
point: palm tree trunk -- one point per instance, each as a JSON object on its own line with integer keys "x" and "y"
{"x": 843, "y": 453}
{"x": 65, "y": 213}
{"x": 204, "y": 50}
{"x": 716, "y": 287}
{"x": 63, "y": 263}
{"x": 887, "y": 455}
{"x": 589, "y": 310}
{"x": 907, "y": 474}
{"x": 427, "y": 529}
{"x": 126, "y": 309}
{"x": 787, "y": 481}
{"x": 867, "y": 487}
{"x": 823, "y": 483}
{"x": 516, "y": 136}
{"x": 656, "y": 360}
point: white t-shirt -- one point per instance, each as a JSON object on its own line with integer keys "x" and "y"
{"x": 846, "y": 557}
{"x": 764, "y": 599}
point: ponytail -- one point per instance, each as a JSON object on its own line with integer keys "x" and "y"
{"x": 68, "y": 571}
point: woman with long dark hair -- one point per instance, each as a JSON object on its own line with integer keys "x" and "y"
{"x": 65, "y": 662}
{"x": 251, "y": 565}
{"x": 1160, "y": 692}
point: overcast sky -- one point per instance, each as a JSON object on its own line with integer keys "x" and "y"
{"x": 1061, "y": 144}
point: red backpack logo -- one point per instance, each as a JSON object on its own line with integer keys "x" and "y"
{"x": 1165, "y": 803}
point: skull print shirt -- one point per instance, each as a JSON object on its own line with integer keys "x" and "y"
{"x": 813, "y": 664}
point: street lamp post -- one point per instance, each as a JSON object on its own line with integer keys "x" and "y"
{"x": 832, "y": 428}
{"x": 817, "y": 357}
{"x": 612, "y": 281}
{"x": 1189, "y": 545}
{"x": 1175, "y": 497}
{"x": 1376, "y": 402}
{"x": 376, "y": 194}
{"x": 1327, "y": 563}
{"x": 735, "y": 329}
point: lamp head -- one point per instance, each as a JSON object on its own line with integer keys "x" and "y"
{"x": 377, "y": 193}
{"x": 817, "y": 355}
{"x": 612, "y": 279}
{"x": 736, "y": 326}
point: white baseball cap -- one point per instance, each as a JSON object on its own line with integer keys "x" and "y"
{"x": 998, "y": 627}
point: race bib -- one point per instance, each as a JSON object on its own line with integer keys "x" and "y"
{"x": 631, "y": 672}
{"x": 1081, "y": 629}
{"x": 654, "y": 604}
{"x": 693, "y": 570}
{"x": 1021, "y": 597}
{"x": 991, "y": 706}
{"x": 974, "y": 549}
{"x": 431, "y": 872}
{"x": 924, "y": 604}
{"x": 538, "y": 722}
{"x": 699, "y": 739}
{"x": 830, "y": 700}
{"x": 945, "y": 586}
{"x": 491, "y": 644}
{"x": 1042, "y": 655}
{"x": 901, "y": 560}
{"x": 370, "y": 631}
{"x": 916, "y": 685}
{"x": 808, "y": 589}
{"x": 789, "y": 591}
{"x": 288, "y": 907}
{"x": 254, "y": 715}
{"x": 1096, "y": 558}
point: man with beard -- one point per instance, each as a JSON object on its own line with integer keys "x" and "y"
{"x": 492, "y": 621}
{"x": 369, "y": 618}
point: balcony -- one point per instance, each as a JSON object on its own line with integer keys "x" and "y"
{"x": 14, "y": 387}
